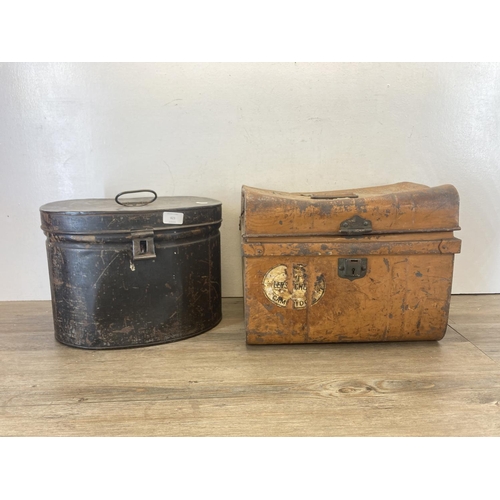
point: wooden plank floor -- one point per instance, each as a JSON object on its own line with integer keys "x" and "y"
{"x": 216, "y": 385}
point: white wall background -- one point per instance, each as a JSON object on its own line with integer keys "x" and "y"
{"x": 92, "y": 130}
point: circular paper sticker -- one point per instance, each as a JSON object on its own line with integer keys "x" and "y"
{"x": 277, "y": 290}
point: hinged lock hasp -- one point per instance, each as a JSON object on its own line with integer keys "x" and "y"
{"x": 356, "y": 225}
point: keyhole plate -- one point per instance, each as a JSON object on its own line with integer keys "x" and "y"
{"x": 143, "y": 246}
{"x": 352, "y": 269}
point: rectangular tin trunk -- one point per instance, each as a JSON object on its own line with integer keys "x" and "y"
{"x": 374, "y": 264}
{"x": 133, "y": 273}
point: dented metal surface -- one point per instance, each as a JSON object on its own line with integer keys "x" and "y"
{"x": 398, "y": 208}
{"x": 123, "y": 278}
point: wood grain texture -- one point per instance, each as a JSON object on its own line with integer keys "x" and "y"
{"x": 477, "y": 318}
{"x": 216, "y": 385}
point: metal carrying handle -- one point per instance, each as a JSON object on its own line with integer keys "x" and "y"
{"x": 136, "y": 203}
{"x": 329, "y": 196}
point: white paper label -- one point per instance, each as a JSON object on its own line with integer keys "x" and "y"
{"x": 173, "y": 218}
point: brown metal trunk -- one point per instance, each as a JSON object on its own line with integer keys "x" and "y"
{"x": 374, "y": 264}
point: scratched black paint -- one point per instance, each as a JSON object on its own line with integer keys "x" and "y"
{"x": 103, "y": 297}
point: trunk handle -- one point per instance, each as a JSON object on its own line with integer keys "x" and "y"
{"x": 136, "y": 203}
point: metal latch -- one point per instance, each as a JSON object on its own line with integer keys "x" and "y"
{"x": 352, "y": 269}
{"x": 143, "y": 245}
{"x": 356, "y": 225}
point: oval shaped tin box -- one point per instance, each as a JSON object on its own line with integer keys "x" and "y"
{"x": 133, "y": 272}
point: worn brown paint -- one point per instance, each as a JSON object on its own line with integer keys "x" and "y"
{"x": 397, "y": 208}
{"x": 403, "y": 292}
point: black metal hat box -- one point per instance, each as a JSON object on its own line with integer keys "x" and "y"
{"x": 133, "y": 271}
